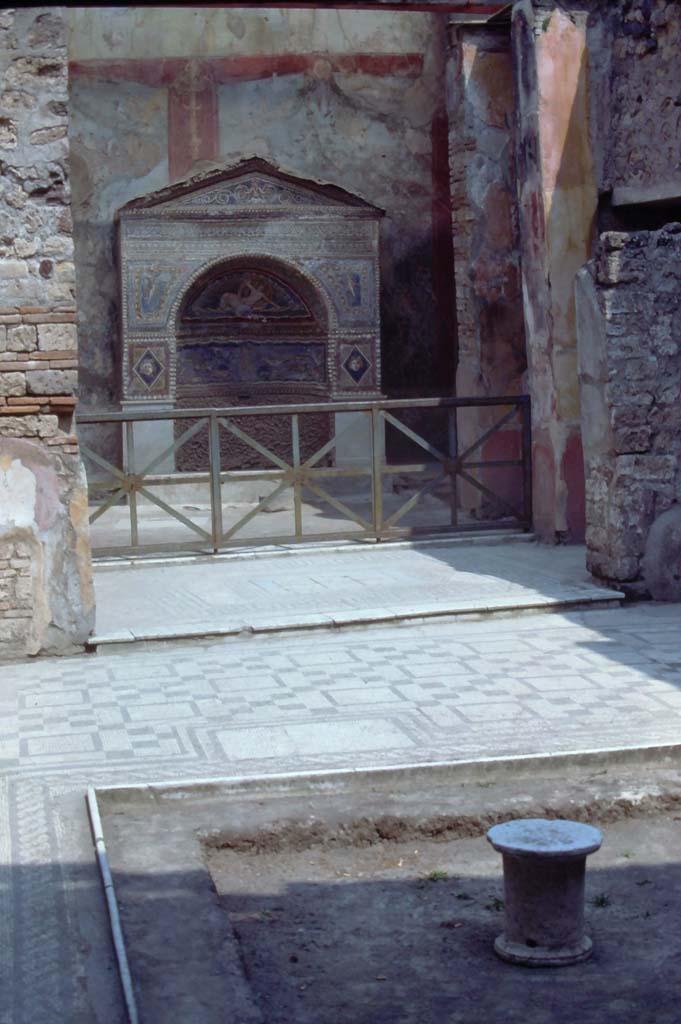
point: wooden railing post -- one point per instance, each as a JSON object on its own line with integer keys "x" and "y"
{"x": 215, "y": 485}
{"x": 377, "y": 462}
{"x": 131, "y": 470}
{"x": 295, "y": 450}
{"x": 526, "y": 410}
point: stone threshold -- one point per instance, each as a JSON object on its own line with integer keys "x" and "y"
{"x": 110, "y": 563}
{"x": 596, "y": 598}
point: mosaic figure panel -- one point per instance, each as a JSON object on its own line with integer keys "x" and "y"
{"x": 249, "y": 363}
{"x": 148, "y": 369}
{"x": 151, "y": 292}
{"x": 355, "y": 365}
{"x": 249, "y": 335}
{"x": 243, "y": 326}
{"x": 251, "y": 191}
{"x": 352, "y": 287}
{"x": 249, "y": 295}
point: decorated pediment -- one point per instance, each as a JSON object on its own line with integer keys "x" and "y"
{"x": 250, "y": 186}
{"x": 252, "y": 190}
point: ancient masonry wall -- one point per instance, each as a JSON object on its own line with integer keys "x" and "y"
{"x": 629, "y": 308}
{"x": 46, "y": 595}
{"x": 629, "y": 321}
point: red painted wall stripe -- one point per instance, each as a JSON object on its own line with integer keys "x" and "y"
{"x": 165, "y": 72}
{"x": 193, "y": 128}
{"x": 147, "y": 72}
{"x": 445, "y": 341}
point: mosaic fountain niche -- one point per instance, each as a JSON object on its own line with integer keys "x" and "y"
{"x": 252, "y": 331}
{"x": 249, "y": 286}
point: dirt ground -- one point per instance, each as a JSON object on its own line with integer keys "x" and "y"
{"x": 374, "y": 898}
{"x": 402, "y": 932}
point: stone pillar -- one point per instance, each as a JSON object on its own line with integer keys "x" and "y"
{"x": 46, "y": 594}
{"x": 150, "y": 438}
{"x": 544, "y": 869}
{"x": 491, "y": 338}
{"x": 557, "y": 196}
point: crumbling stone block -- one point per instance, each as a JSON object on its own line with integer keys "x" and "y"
{"x": 51, "y": 382}
{"x": 8, "y": 133}
{"x": 22, "y": 338}
{"x": 12, "y": 384}
{"x": 57, "y": 337}
{"x": 662, "y": 559}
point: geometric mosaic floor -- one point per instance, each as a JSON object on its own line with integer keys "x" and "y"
{"x": 414, "y": 692}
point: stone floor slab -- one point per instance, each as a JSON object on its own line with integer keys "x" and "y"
{"x": 342, "y": 587}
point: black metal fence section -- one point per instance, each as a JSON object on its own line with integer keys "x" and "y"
{"x": 124, "y": 484}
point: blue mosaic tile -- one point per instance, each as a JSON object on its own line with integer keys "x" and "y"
{"x": 356, "y": 365}
{"x": 148, "y": 368}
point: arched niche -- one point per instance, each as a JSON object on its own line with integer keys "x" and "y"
{"x": 251, "y": 329}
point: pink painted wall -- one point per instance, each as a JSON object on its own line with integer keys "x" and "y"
{"x": 558, "y": 200}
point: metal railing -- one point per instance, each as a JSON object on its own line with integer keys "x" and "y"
{"x": 125, "y": 484}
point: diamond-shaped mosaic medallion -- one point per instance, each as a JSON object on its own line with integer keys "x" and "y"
{"x": 148, "y": 368}
{"x": 356, "y": 365}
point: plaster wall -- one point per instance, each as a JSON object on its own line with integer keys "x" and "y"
{"x": 557, "y": 192}
{"x": 351, "y": 97}
{"x": 490, "y": 328}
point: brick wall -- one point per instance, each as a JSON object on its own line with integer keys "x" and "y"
{"x": 38, "y": 362}
{"x": 16, "y": 592}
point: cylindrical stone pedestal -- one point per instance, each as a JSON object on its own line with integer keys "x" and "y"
{"x": 544, "y": 867}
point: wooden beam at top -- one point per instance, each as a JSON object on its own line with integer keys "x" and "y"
{"x": 472, "y": 7}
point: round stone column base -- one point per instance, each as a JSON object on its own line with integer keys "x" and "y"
{"x": 541, "y": 956}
